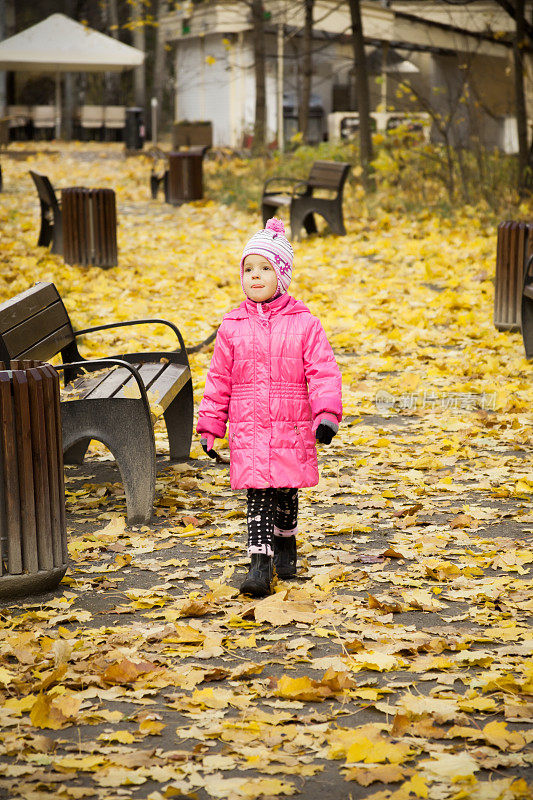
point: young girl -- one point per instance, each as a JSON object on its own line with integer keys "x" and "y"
{"x": 274, "y": 376}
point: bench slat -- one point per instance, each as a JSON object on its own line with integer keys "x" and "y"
{"x": 277, "y": 199}
{"x": 326, "y": 175}
{"x": 170, "y": 383}
{"x": 528, "y": 290}
{"x": 49, "y": 347}
{"x": 26, "y": 304}
{"x": 108, "y": 387}
{"x": 24, "y": 336}
{"x": 164, "y": 380}
{"x": 149, "y": 372}
{"x": 80, "y": 387}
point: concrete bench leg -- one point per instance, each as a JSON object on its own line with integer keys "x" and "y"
{"x": 125, "y": 428}
{"x": 268, "y": 211}
{"x": 335, "y": 220}
{"x": 76, "y": 453}
{"x": 301, "y": 216}
{"x": 179, "y": 422}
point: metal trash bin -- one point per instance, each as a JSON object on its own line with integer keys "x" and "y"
{"x": 514, "y": 246}
{"x": 185, "y": 176}
{"x": 134, "y": 129}
{"x": 33, "y": 538}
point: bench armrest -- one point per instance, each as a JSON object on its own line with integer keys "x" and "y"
{"x": 279, "y": 179}
{"x": 115, "y": 362}
{"x": 136, "y": 322}
{"x": 299, "y": 185}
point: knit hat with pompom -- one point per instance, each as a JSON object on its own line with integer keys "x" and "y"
{"x": 272, "y": 244}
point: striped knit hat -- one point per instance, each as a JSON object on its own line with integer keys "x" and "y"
{"x": 276, "y": 248}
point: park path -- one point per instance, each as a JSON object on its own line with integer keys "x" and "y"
{"x": 398, "y": 663}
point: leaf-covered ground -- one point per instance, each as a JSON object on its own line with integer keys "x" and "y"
{"x": 399, "y": 663}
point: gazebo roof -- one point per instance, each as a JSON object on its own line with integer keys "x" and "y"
{"x": 59, "y": 44}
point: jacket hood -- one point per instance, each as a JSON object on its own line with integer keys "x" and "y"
{"x": 285, "y": 304}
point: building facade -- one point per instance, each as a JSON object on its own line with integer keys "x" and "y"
{"x": 458, "y": 66}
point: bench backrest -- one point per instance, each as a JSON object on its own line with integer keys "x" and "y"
{"x": 18, "y": 115}
{"x": 34, "y": 324}
{"x": 92, "y": 116}
{"x": 328, "y": 175}
{"x": 43, "y": 116}
{"x": 45, "y": 190}
{"x": 115, "y": 116}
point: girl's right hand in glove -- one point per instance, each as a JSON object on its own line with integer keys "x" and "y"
{"x": 327, "y": 428}
{"x": 207, "y": 441}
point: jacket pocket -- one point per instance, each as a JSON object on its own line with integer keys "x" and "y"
{"x": 302, "y": 452}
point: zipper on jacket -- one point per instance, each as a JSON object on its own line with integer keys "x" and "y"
{"x": 302, "y": 443}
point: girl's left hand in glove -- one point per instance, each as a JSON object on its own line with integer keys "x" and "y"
{"x": 327, "y": 428}
{"x": 207, "y": 441}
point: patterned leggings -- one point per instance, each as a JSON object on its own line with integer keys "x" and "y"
{"x": 271, "y": 512}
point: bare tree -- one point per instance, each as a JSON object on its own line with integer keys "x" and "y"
{"x": 159, "y": 56}
{"x": 2, "y": 73}
{"x": 112, "y": 79}
{"x": 307, "y": 69}
{"x": 258, "y": 38}
{"x": 443, "y": 111}
{"x": 520, "y": 96}
{"x": 139, "y": 41}
{"x": 363, "y": 99}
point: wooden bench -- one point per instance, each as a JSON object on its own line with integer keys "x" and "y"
{"x": 303, "y": 203}
{"x": 51, "y": 218}
{"x": 82, "y": 227}
{"x": 111, "y": 406}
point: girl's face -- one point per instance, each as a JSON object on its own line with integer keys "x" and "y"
{"x": 259, "y": 278}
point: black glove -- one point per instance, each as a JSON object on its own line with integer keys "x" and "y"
{"x": 205, "y": 442}
{"x": 324, "y": 434}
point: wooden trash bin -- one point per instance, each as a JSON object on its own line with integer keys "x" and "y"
{"x": 514, "y": 246}
{"x": 89, "y": 226}
{"x": 33, "y": 538}
{"x": 185, "y": 176}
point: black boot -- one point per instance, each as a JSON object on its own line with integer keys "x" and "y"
{"x": 285, "y": 556}
{"x": 257, "y": 582}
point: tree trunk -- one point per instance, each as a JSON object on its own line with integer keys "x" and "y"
{"x": 450, "y": 182}
{"x": 112, "y": 79}
{"x": 258, "y": 16}
{"x": 159, "y": 59}
{"x": 7, "y": 29}
{"x": 520, "y": 98}
{"x": 3, "y": 98}
{"x": 363, "y": 99}
{"x": 307, "y": 69}
{"x": 69, "y": 84}
{"x": 112, "y": 18}
{"x": 139, "y": 80}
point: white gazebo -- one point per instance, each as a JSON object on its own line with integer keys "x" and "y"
{"x": 60, "y": 44}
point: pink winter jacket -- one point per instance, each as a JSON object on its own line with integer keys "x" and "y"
{"x": 273, "y": 374}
